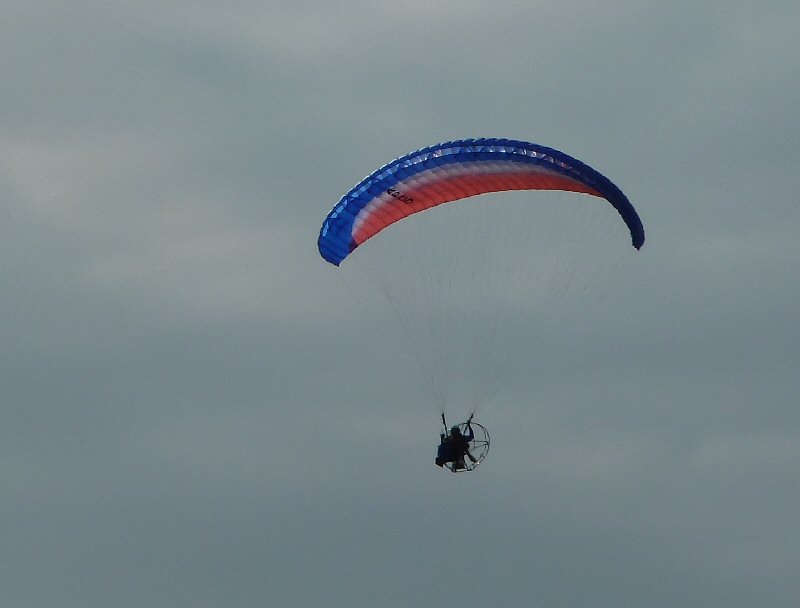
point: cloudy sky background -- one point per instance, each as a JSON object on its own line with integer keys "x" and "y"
{"x": 194, "y": 415}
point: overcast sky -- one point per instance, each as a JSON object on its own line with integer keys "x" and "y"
{"x": 195, "y": 411}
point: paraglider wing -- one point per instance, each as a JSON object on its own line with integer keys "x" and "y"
{"x": 455, "y": 170}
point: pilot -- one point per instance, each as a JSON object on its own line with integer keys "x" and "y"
{"x": 454, "y": 447}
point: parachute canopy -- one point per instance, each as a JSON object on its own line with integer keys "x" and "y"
{"x": 455, "y": 170}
